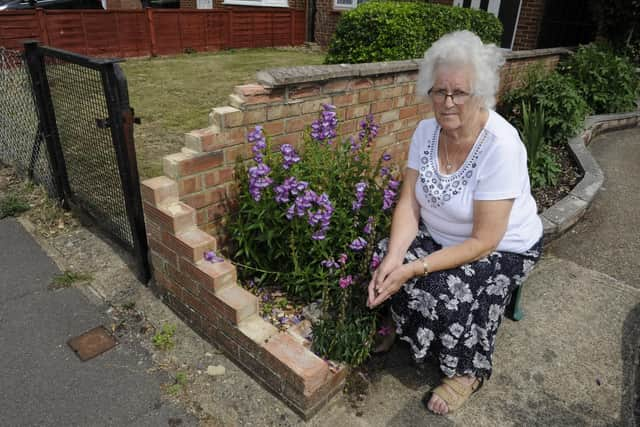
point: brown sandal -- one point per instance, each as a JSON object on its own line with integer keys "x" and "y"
{"x": 455, "y": 393}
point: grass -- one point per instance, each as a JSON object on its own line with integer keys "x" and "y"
{"x": 68, "y": 278}
{"x": 174, "y": 95}
{"x": 12, "y": 205}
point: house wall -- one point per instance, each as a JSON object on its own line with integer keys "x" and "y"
{"x": 529, "y": 22}
{"x": 286, "y": 101}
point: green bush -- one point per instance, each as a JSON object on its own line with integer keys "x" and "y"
{"x": 388, "y": 31}
{"x": 555, "y": 93}
{"x": 608, "y": 82}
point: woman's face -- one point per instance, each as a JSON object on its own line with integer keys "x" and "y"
{"x": 456, "y": 80}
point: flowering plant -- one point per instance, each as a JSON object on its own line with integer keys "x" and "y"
{"x": 308, "y": 220}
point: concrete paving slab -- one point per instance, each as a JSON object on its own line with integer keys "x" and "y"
{"x": 19, "y": 274}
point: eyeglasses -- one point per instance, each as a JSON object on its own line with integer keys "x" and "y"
{"x": 440, "y": 96}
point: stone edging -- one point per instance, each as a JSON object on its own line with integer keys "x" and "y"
{"x": 564, "y": 214}
{"x": 280, "y": 77}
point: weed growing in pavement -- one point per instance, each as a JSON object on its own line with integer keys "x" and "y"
{"x": 164, "y": 340}
{"x": 179, "y": 384}
{"x": 68, "y": 278}
{"x": 12, "y": 205}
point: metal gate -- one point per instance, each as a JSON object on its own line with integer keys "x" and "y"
{"x": 84, "y": 111}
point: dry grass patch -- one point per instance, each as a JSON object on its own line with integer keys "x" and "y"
{"x": 174, "y": 95}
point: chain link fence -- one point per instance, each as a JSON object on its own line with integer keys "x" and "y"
{"x": 22, "y": 143}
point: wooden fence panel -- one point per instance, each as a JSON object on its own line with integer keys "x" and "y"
{"x": 127, "y": 33}
{"x": 17, "y": 26}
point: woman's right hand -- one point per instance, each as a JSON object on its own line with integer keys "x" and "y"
{"x": 386, "y": 267}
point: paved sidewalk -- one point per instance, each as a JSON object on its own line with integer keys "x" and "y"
{"x": 42, "y": 381}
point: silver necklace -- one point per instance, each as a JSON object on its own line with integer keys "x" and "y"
{"x": 448, "y": 164}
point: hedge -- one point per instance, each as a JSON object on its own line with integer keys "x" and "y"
{"x": 388, "y": 31}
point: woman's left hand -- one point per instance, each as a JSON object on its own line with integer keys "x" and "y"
{"x": 392, "y": 284}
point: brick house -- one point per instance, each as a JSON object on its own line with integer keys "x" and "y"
{"x": 566, "y": 21}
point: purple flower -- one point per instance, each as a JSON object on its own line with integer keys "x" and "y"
{"x": 368, "y": 228}
{"x": 319, "y": 218}
{"x": 266, "y": 297}
{"x": 259, "y": 143}
{"x": 384, "y": 171}
{"x": 324, "y": 129}
{"x": 389, "y": 195}
{"x": 355, "y": 146}
{"x": 368, "y": 130}
{"x": 346, "y": 281}
{"x": 375, "y": 262}
{"x": 386, "y": 157}
{"x": 330, "y": 264}
{"x": 361, "y": 188}
{"x": 212, "y": 257}
{"x": 258, "y": 180}
{"x": 289, "y": 186}
{"x": 296, "y": 319}
{"x": 358, "y": 244}
{"x": 289, "y": 156}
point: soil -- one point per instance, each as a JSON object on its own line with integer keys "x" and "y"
{"x": 569, "y": 177}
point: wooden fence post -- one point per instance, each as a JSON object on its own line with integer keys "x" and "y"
{"x": 152, "y": 31}
{"x": 42, "y": 23}
{"x": 292, "y": 27}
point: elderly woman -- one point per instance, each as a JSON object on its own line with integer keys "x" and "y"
{"x": 465, "y": 232}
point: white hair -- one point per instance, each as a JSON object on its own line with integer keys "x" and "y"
{"x": 464, "y": 48}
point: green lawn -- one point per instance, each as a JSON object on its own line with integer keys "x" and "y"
{"x": 174, "y": 95}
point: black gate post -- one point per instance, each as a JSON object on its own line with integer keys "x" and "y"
{"x": 121, "y": 124}
{"x": 47, "y": 119}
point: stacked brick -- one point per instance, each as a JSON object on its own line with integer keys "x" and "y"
{"x": 207, "y": 297}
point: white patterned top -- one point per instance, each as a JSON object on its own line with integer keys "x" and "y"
{"x": 495, "y": 169}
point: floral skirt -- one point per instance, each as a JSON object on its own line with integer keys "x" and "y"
{"x": 453, "y": 315}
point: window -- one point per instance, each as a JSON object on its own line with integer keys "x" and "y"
{"x": 267, "y": 3}
{"x": 346, "y": 4}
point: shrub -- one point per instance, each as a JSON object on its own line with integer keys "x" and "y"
{"x": 608, "y": 82}
{"x": 387, "y": 31}
{"x": 541, "y": 162}
{"x": 564, "y": 107}
{"x": 309, "y": 222}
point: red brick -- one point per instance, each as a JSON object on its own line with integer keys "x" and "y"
{"x": 254, "y": 116}
{"x": 242, "y": 151}
{"x": 349, "y": 127}
{"x": 264, "y": 99}
{"x": 383, "y": 80}
{"x": 182, "y": 280}
{"x": 211, "y": 276}
{"x": 224, "y": 139}
{"x": 219, "y": 176}
{"x": 190, "y": 244}
{"x": 273, "y": 128}
{"x": 304, "y": 91}
{"x": 365, "y": 96}
{"x": 251, "y": 89}
{"x": 216, "y": 195}
{"x": 216, "y": 211}
{"x": 408, "y": 112}
{"x": 159, "y": 191}
{"x": 232, "y": 303}
{"x": 168, "y": 255}
{"x": 190, "y": 185}
{"x": 335, "y": 86}
{"x": 292, "y": 138}
{"x": 196, "y": 201}
{"x": 201, "y": 163}
{"x": 357, "y": 111}
{"x": 360, "y": 84}
{"x": 381, "y": 106}
{"x": 176, "y": 217}
{"x": 298, "y": 123}
{"x": 346, "y": 99}
{"x": 297, "y": 365}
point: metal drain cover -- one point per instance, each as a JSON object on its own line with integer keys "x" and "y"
{"x": 92, "y": 343}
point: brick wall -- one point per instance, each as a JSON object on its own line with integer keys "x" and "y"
{"x": 531, "y": 14}
{"x": 326, "y": 21}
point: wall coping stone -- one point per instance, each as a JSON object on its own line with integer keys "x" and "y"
{"x": 566, "y": 212}
{"x": 279, "y": 77}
